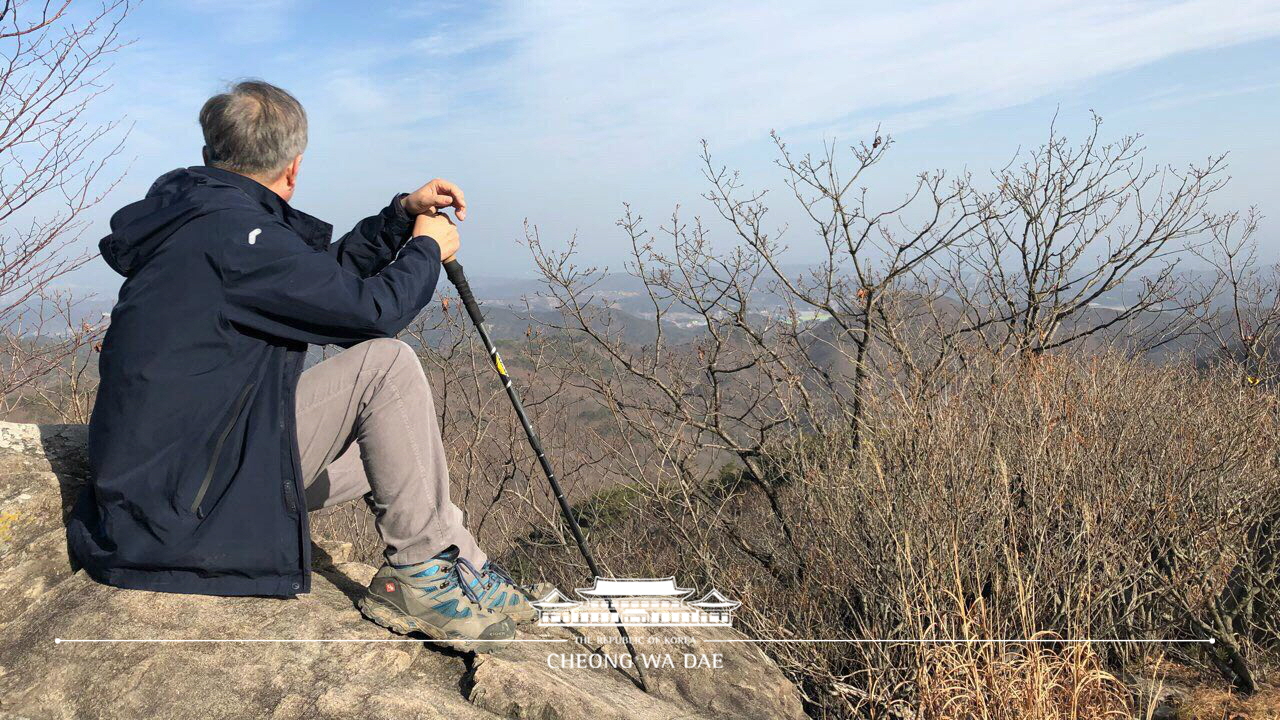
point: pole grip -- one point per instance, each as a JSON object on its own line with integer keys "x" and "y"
{"x": 453, "y": 269}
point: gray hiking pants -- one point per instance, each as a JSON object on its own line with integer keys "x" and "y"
{"x": 367, "y": 428}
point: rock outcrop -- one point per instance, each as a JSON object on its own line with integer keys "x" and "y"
{"x": 45, "y": 604}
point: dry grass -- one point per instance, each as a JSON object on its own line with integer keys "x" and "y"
{"x": 1020, "y": 682}
{"x": 1222, "y": 704}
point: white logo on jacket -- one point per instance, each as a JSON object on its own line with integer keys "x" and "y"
{"x": 253, "y": 235}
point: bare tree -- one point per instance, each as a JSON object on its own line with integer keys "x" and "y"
{"x": 1072, "y": 225}
{"x": 758, "y": 376}
{"x": 60, "y": 347}
{"x": 53, "y": 167}
{"x": 866, "y": 284}
{"x": 1242, "y": 320}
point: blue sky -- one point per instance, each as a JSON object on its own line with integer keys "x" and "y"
{"x": 558, "y": 112}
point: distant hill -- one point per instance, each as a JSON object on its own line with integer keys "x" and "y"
{"x": 512, "y": 305}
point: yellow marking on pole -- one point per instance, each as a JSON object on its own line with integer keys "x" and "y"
{"x": 497, "y": 362}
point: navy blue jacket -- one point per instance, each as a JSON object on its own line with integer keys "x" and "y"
{"x": 196, "y": 483}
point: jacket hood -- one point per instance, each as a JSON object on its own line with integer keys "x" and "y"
{"x": 140, "y": 229}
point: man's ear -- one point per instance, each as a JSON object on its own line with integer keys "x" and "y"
{"x": 291, "y": 173}
{"x": 204, "y": 154}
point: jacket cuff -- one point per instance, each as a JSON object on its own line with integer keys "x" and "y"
{"x": 398, "y": 216}
{"x": 432, "y": 245}
{"x": 397, "y": 206}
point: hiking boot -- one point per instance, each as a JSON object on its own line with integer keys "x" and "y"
{"x": 431, "y": 598}
{"x": 498, "y": 592}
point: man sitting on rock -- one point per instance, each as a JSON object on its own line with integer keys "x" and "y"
{"x": 209, "y": 443}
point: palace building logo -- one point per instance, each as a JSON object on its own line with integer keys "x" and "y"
{"x": 631, "y": 601}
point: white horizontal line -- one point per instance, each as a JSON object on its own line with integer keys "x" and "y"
{"x": 630, "y": 624}
{"x": 968, "y": 641}
{"x": 59, "y": 641}
{"x": 878, "y": 641}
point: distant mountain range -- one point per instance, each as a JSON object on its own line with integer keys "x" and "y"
{"x": 511, "y": 305}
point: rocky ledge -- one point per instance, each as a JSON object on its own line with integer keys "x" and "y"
{"x": 43, "y": 603}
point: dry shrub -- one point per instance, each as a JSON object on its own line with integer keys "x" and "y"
{"x": 1087, "y": 496}
{"x": 350, "y": 523}
{"x": 1222, "y": 704}
{"x": 1019, "y": 682}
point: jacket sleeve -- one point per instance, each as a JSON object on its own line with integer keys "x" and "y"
{"x": 276, "y": 284}
{"x": 374, "y": 241}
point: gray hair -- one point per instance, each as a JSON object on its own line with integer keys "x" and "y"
{"x": 254, "y": 128}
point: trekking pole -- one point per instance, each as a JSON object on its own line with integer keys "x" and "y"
{"x": 453, "y": 269}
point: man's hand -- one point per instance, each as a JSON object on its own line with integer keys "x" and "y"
{"x": 440, "y": 228}
{"x": 436, "y": 195}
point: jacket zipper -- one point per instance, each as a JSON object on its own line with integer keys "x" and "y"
{"x": 217, "y": 452}
{"x": 294, "y": 370}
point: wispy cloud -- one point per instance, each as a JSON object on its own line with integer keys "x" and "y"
{"x": 572, "y": 80}
{"x": 642, "y": 76}
{"x": 1170, "y": 98}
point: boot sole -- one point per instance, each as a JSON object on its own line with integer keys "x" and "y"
{"x": 401, "y": 623}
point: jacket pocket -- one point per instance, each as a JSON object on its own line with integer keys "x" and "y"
{"x": 217, "y": 451}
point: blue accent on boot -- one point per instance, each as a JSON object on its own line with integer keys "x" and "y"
{"x": 445, "y": 569}
{"x": 500, "y": 590}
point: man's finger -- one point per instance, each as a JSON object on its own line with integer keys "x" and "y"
{"x": 456, "y": 198}
{"x": 459, "y": 203}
